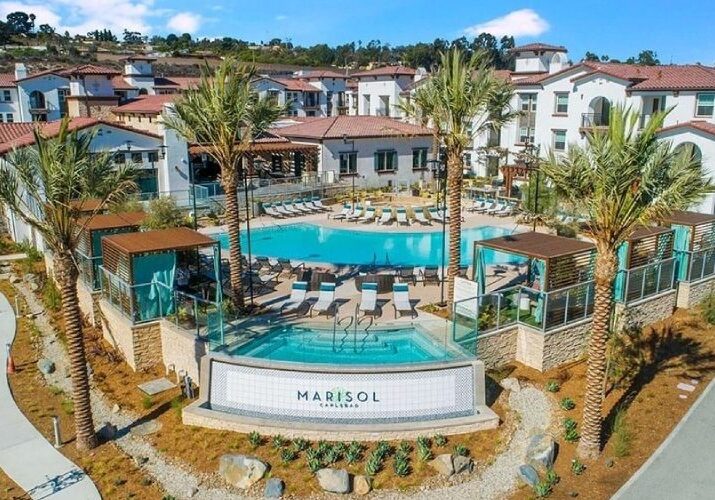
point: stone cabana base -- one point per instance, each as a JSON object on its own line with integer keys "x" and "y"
{"x": 89, "y": 304}
{"x": 690, "y": 294}
{"x": 645, "y": 311}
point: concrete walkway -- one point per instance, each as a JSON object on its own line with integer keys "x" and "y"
{"x": 682, "y": 467}
{"x": 25, "y": 455}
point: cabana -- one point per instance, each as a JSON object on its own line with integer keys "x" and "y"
{"x": 89, "y": 251}
{"x": 646, "y": 265}
{"x": 166, "y": 273}
{"x": 555, "y": 287}
{"x": 694, "y": 244}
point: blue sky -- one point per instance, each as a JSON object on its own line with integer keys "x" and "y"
{"x": 677, "y": 31}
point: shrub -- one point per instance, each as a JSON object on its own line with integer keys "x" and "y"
{"x": 67, "y": 406}
{"x": 424, "y": 453}
{"x": 383, "y": 449}
{"x": 373, "y": 465}
{"x": 312, "y": 454}
{"x": 404, "y": 447}
{"x": 542, "y": 489}
{"x": 331, "y": 455}
{"x": 570, "y": 433}
{"x": 621, "y": 435}
{"x": 569, "y": 423}
{"x": 300, "y": 444}
{"x": 340, "y": 448}
{"x": 553, "y": 386}
{"x": 401, "y": 465}
{"x": 551, "y": 477}
{"x": 147, "y": 402}
{"x": 440, "y": 440}
{"x": 314, "y": 464}
{"x": 278, "y": 441}
{"x": 567, "y": 404}
{"x": 424, "y": 441}
{"x": 707, "y": 308}
{"x": 323, "y": 447}
{"x": 353, "y": 453}
{"x": 577, "y": 467}
{"x": 177, "y": 404}
{"x": 163, "y": 214}
{"x": 461, "y": 450}
{"x": 255, "y": 439}
{"x": 51, "y": 296}
{"x": 288, "y": 455}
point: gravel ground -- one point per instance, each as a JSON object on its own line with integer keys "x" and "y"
{"x": 531, "y": 406}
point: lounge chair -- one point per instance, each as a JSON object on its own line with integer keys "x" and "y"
{"x": 368, "y": 301}
{"x": 357, "y": 213}
{"x": 402, "y": 216}
{"x": 498, "y": 208}
{"x": 476, "y": 206}
{"x": 386, "y": 215}
{"x": 401, "y": 300}
{"x": 261, "y": 283}
{"x": 420, "y": 216}
{"x": 406, "y": 274}
{"x": 296, "y": 302}
{"x": 326, "y": 300}
{"x": 309, "y": 204}
{"x": 280, "y": 209}
{"x": 430, "y": 274}
{"x": 507, "y": 212}
{"x": 291, "y": 209}
{"x": 487, "y": 206}
{"x": 319, "y": 204}
{"x": 269, "y": 210}
{"x": 347, "y": 209}
{"x": 265, "y": 263}
{"x": 298, "y": 205}
{"x": 287, "y": 266}
{"x": 368, "y": 216}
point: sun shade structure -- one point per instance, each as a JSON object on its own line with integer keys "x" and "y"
{"x": 645, "y": 264}
{"x": 89, "y": 251}
{"x": 170, "y": 272}
{"x": 693, "y": 245}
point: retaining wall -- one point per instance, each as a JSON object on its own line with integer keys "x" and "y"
{"x": 691, "y": 294}
{"x": 645, "y": 311}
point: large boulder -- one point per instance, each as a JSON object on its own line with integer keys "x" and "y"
{"x": 274, "y": 488}
{"x": 443, "y": 464}
{"x": 511, "y": 384}
{"x": 528, "y": 475}
{"x": 462, "y": 464}
{"x": 362, "y": 485}
{"x": 241, "y": 471}
{"x": 334, "y": 480}
{"x": 46, "y": 366}
{"x": 541, "y": 451}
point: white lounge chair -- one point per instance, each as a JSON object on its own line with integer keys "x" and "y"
{"x": 402, "y": 216}
{"x": 279, "y": 208}
{"x": 357, "y": 213}
{"x": 309, "y": 205}
{"x": 296, "y": 302}
{"x": 508, "y": 211}
{"x": 498, "y": 208}
{"x": 368, "y": 216}
{"x": 420, "y": 216}
{"x": 288, "y": 207}
{"x": 298, "y": 205}
{"x": 269, "y": 210}
{"x": 386, "y": 215}
{"x": 488, "y": 204}
{"x": 477, "y": 205}
{"x": 401, "y": 300}
{"x": 347, "y": 209}
{"x": 319, "y": 204}
{"x": 326, "y": 300}
{"x": 368, "y": 300}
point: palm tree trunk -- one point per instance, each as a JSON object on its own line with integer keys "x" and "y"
{"x": 66, "y": 274}
{"x": 233, "y": 221}
{"x": 590, "y": 444}
{"x": 454, "y": 188}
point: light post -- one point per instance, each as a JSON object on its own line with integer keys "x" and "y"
{"x": 248, "y": 227}
{"x": 531, "y": 160}
{"x": 439, "y": 171}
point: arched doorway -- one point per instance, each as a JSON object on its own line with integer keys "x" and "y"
{"x": 599, "y": 111}
{"x": 695, "y": 153}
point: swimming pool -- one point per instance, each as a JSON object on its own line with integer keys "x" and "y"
{"x": 312, "y": 243}
{"x": 372, "y": 347}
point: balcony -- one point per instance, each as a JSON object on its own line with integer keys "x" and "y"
{"x": 382, "y": 112}
{"x": 594, "y": 120}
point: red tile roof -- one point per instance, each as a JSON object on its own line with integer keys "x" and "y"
{"x": 119, "y": 83}
{"x": 666, "y": 77}
{"x": 177, "y": 82}
{"x": 386, "y": 71}
{"x": 11, "y": 131}
{"x": 321, "y": 74}
{"x": 337, "y": 127}
{"x": 7, "y": 80}
{"x": 295, "y": 85}
{"x": 50, "y": 129}
{"x": 707, "y": 127}
{"x": 535, "y": 47}
{"x": 150, "y": 104}
{"x": 90, "y": 69}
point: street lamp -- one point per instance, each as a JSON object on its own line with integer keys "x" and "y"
{"x": 531, "y": 160}
{"x": 244, "y": 170}
{"x": 439, "y": 171}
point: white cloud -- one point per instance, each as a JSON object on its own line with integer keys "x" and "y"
{"x": 184, "y": 22}
{"x": 518, "y": 23}
{"x": 281, "y": 17}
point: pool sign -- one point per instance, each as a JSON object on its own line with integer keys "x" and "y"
{"x": 390, "y": 396}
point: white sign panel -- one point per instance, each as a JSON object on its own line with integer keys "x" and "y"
{"x": 465, "y": 293}
{"x": 342, "y": 397}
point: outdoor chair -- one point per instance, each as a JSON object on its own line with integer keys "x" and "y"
{"x": 498, "y": 208}
{"x": 477, "y": 205}
{"x": 312, "y": 206}
{"x": 347, "y": 210}
{"x": 386, "y": 216}
{"x": 285, "y": 265}
{"x": 299, "y": 206}
{"x": 508, "y": 211}
{"x": 269, "y": 210}
{"x": 368, "y": 301}
{"x": 368, "y": 216}
{"x": 402, "y": 216}
{"x": 280, "y": 209}
{"x": 357, "y": 213}
{"x": 420, "y": 216}
{"x": 401, "y": 300}
{"x": 319, "y": 204}
{"x": 288, "y": 206}
{"x": 326, "y": 300}
{"x": 296, "y": 302}
{"x": 261, "y": 283}
{"x": 430, "y": 275}
{"x": 406, "y": 274}
{"x": 487, "y": 206}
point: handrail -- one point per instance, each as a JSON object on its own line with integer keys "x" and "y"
{"x": 338, "y": 322}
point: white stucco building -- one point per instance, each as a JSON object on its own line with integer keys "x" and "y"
{"x": 378, "y": 90}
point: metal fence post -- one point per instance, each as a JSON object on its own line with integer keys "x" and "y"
{"x": 657, "y": 282}
{"x": 566, "y": 309}
{"x": 627, "y": 287}
{"x": 545, "y": 310}
{"x": 585, "y": 305}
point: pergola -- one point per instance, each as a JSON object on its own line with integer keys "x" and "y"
{"x": 519, "y": 170}
{"x": 94, "y": 228}
{"x": 154, "y": 274}
{"x": 694, "y": 243}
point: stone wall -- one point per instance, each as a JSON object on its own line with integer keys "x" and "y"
{"x": 117, "y": 330}
{"x": 691, "y": 294}
{"x": 565, "y": 344}
{"x": 89, "y": 303}
{"x": 646, "y": 311}
{"x": 181, "y": 350}
{"x": 498, "y": 348}
{"x": 147, "y": 345}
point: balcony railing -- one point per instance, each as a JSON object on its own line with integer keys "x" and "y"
{"x": 645, "y": 281}
{"x": 591, "y": 120}
{"x": 695, "y": 266}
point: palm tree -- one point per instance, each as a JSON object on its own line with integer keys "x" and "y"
{"x": 225, "y": 114}
{"x": 45, "y": 185}
{"x": 621, "y": 178}
{"x": 459, "y": 102}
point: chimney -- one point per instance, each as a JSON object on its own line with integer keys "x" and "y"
{"x": 20, "y": 71}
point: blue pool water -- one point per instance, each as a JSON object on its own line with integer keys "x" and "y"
{"x": 311, "y": 243}
{"x": 373, "y": 347}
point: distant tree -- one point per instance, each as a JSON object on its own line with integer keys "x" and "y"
{"x": 21, "y": 23}
{"x": 590, "y": 56}
{"x": 164, "y": 214}
{"x": 46, "y": 29}
{"x": 132, "y": 37}
{"x": 647, "y": 58}
{"x": 5, "y": 33}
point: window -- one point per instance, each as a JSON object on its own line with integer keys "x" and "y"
{"x": 348, "y": 163}
{"x": 62, "y": 100}
{"x": 6, "y": 96}
{"x": 467, "y": 159}
{"x": 419, "y": 158}
{"x": 9, "y": 117}
{"x": 527, "y": 102}
{"x": 385, "y": 161}
{"x": 705, "y": 105}
{"x": 527, "y": 121}
{"x": 119, "y": 158}
{"x": 559, "y": 140}
{"x": 562, "y": 103}
{"x": 137, "y": 158}
{"x": 526, "y": 135}
{"x": 152, "y": 157}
